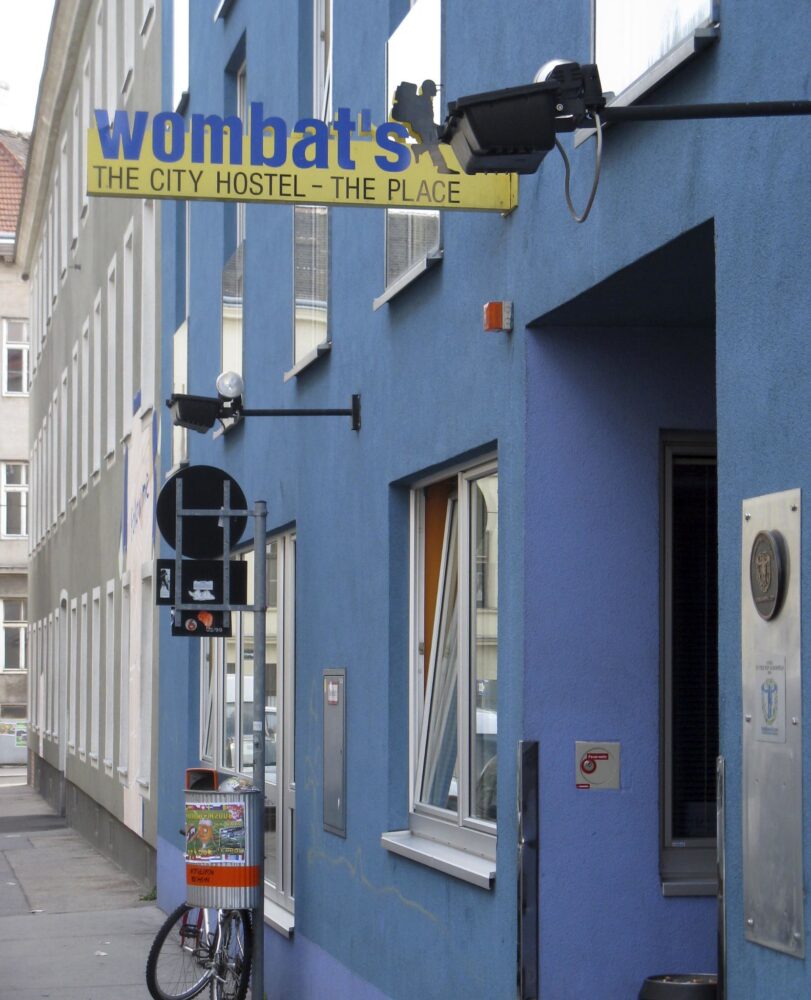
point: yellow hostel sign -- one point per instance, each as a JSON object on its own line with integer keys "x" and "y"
{"x": 345, "y": 162}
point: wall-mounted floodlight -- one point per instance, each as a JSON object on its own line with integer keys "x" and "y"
{"x": 196, "y": 413}
{"x": 512, "y": 130}
{"x": 199, "y": 413}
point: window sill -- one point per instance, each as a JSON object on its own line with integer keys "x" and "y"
{"x": 308, "y": 359}
{"x": 281, "y": 920}
{"x": 426, "y": 264}
{"x": 449, "y": 860}
{"x": 690, "y": 887}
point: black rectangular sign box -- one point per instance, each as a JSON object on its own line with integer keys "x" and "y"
{"x": 201, "y": 582}
{"x": 201, "y": 624}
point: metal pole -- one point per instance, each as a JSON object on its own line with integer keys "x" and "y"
{"x": 259, "y": 607}
{"x": 690, "y": 112}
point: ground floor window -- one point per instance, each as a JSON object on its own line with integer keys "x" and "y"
{"x": 15, "y": 627}
{"x": 227, "y": 708}
{"x": 689, "y": 663}
{"x": 454, "y": 673}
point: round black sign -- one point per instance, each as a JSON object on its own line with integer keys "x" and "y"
{"x": 202, "y": 490}
{"x": 767, "y": 573}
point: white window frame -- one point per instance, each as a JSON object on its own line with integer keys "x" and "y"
{"x": 458, "y": 844}
{"x": 15, "y": 488}
{"x": 110, "y": 339}
{"x": 74, "y": 421}
{"x": 124, "y": 683}
{"x": 149, "y": 256}
{"x": 145, "y": 668}
{"x": 64, "y": 202}
{"x": 63, "y": 443}
{"x": 97, "y": 408}
{"x": 129, "y": 16}
{"x": 304, "y": 354}
{"x": 112, "y": 57}
{"x": 83, "y": 654}
{"x": 24, "y": 346}
{"x": 147, "y": 19}
{"x": 180, "y": 54}
{"x": 109, "y": 675}
{"x": 415, "y": 22}
{"x": 73, "y": 668}
{"x": 95, "y": 676}
{"x": 84, "y": 117}
{"x": 85, "y": 405}
{"x": 14, "y": 624}
{"x": 128, "y": 329}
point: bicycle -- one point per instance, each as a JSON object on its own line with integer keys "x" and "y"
{"x": 198, "y": 947}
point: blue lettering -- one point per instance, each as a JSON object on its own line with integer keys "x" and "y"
{"x": 119, "y": 135}
{"x": 168, "y": 123}
{"x": 384, "y": 137}
{"x": 217, "y": 126}
{"x": 258, "y": 126}
{"x": 317, "y": 140}
{"x": 344, "y": 127}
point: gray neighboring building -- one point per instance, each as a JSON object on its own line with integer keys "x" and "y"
{"x": 14, "y": 331}
{"x": 93, "y": 440}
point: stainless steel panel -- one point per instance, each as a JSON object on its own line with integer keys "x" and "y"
{"x": 335, "y": 751}
{"x": 527, "y": 870}
{"x": 772, "y": 729}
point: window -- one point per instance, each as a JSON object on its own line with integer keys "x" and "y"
{"x": 15, "y": 357}
{"x": 83, "y": 646}
{"x": 129, "y": 47}
{"x": 227, "y": 712}
{"x": 311, "y": 222}
{"x": 127, "y": 346}
{"x": 74, "y": 422}
{"x": 180, "y": 376}
{"x": 15, "y": 626}
{"x": 689, "y": 665}
{"x": 109, "y": 674}
{"x": 413, "y": 55}
{"x": 95, "y": 675}
{"x": 637, "y": 43}
{"x": 86, "y": 412}
{"x": 454, "y": 659}
{"x": 112, "y": 56}
{"x": 13, "y": 499}
{"x": 97, "y": 333}
{"x": 145, "y": 668}
{"x": 63, "y": 443}
{"x": 110, "y": 340}
{"x": 73, "y": 667}
{"x": 149, "y": 256}
{"x": 124, "y": 682}
{"x": 180, "y": 54}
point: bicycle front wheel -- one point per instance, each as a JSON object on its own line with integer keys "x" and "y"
{"x": 180, "y": 959}
{"x": 232, "y": 956}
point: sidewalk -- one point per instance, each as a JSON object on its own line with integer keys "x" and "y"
{"x": 72, "y": 924}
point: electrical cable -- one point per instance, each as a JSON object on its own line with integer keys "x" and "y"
{"x": 585, "y": 214}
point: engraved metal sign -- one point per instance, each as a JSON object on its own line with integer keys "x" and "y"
{"x": 772, "y": 722}
{"x": 766, "y": 575}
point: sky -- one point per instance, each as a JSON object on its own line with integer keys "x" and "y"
{"x": 23, "y": 37}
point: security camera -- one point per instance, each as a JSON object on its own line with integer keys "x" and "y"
{"x": 25, "y": 275}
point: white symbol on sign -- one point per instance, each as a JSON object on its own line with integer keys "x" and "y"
{"x": 202, "y": 590}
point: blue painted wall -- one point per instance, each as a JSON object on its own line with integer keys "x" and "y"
{"x": 575, "y": 416}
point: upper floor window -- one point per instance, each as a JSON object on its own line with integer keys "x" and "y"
{"x": 311, "y": 230}
{"x": 13, "y": 499}
{"x": 15, "y": 357}
{"x": 637, "y": 42}
{"x": 14, "y": 622}
{"x": 180, "y": 54}
{"x": 454, "y": 672}
{"x": 413, "y": 55}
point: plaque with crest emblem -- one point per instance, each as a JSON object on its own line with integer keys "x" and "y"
{"x": 767, "y": 573}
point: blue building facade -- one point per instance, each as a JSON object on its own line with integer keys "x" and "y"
{"x": 535, "y": 535}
